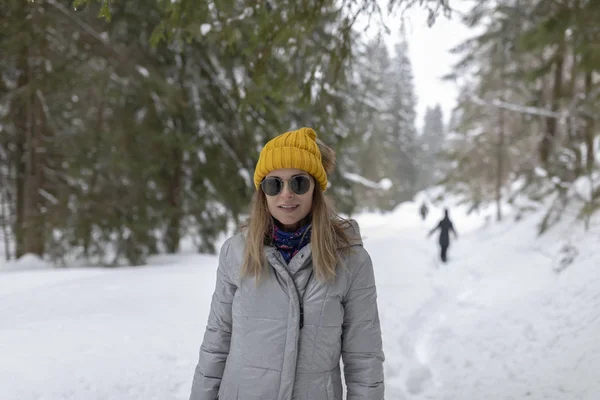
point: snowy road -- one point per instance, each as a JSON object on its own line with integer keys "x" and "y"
{"x": 495, "y": 323}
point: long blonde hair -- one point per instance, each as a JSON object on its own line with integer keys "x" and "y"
{"x": 328, "y": 238}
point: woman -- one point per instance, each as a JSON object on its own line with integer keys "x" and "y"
{"x": 295, "y": 292}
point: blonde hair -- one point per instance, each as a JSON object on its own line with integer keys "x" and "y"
{"x": 328, "y": 238}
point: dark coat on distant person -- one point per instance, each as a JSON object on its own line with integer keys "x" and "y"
{"x": 445, "y": 226}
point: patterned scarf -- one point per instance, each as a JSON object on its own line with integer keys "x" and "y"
{"x": 289, "y": 243}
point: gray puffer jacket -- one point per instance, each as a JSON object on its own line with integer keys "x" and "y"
{"x": 282, "y": 339}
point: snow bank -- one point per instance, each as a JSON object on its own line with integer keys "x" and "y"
{"x": 511, "y": 316}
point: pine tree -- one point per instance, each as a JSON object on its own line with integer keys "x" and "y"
{"x": 386, "y": 115}
{"x": 402, "y": 128}
{"x": 126, "y": 146}
{"x": 431, "y": 144}
{"x": 121, "y": 135}
{"x": 524, "y": 116}
{"x": 371, "y": 96}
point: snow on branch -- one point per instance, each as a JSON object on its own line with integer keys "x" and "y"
{"x": 542, "y": 112}
{"x": 78, "y": 21}
{"x": 101, "y": 37}
{"x": 46, "y": 110}
{"x": 45, "y": 194}
{"x": 384, "y": 184}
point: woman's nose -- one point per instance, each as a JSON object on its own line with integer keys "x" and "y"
{"x": 286, "y": 191}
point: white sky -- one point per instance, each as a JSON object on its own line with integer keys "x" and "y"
{"x": 429, "y": 54}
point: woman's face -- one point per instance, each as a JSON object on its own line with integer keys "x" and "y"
{"x": 287, "y": 206}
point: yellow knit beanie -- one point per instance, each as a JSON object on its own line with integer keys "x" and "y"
{"x": 295, "y": 149}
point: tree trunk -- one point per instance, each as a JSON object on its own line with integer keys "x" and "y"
{"x": 29, "y": 124}
{"x": 500, "y": 166}
{"x": 5, "y": 221}
{"x": 90, "y": 197}
{"x": 590, "y": 152}
{"x": 501, "y": 134}
{"x": 573, "y": 122}
{"x": 589, "y": 127}
{"x": 19, "y": 110}
{"x": 174, "y": 198}
{"x": 175, "y": 171}
{"x": 551, "y": 122}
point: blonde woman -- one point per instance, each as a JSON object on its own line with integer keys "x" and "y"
{"x": 295, "y": 292}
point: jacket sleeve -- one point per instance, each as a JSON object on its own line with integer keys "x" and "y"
{"x": 217, "y": 337}
{"x": 362, "y": 351}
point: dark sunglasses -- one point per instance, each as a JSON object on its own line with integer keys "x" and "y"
{"x": 272, "y": 185}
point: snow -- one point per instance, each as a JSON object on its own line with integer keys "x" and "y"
{"x": 26, "y": 262}
{"x": 511, "y": 316}
{"x": 585, "y": 186}
{"x": 142, "y": 71}
{"x": 48, "y": 196}
{"x": 521, "y": 108}
{"x": 248, "y": 12}
{"x": 383, "y": 184}
{"x": 202, "y": 156}
{"x": 245, "y": 174}
{"x": 541, "y": 172}
{"x": 205, "y": 28}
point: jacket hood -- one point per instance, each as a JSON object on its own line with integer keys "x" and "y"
{"x": 352, "y": 230}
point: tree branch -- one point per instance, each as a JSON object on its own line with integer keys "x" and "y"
{"x": 542, "y": 112}
{"x": 88, "y": 29}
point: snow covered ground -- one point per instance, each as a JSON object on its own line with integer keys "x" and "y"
{"x": 499, "y": 321}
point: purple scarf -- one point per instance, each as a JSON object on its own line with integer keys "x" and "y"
{"x": 289, "y": 243}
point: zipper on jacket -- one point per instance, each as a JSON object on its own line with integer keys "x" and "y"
{"x": 300, "y": 298}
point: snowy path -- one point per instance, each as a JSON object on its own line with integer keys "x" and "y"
{"x": 496, "y": 323}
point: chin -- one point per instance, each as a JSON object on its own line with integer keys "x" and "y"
{"x": 288, "y": 221}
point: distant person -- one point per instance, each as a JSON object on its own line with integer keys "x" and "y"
{"x": 445, "y": 226}
{"x": 295, "y": 291}
{"x": 424, "y": 210}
